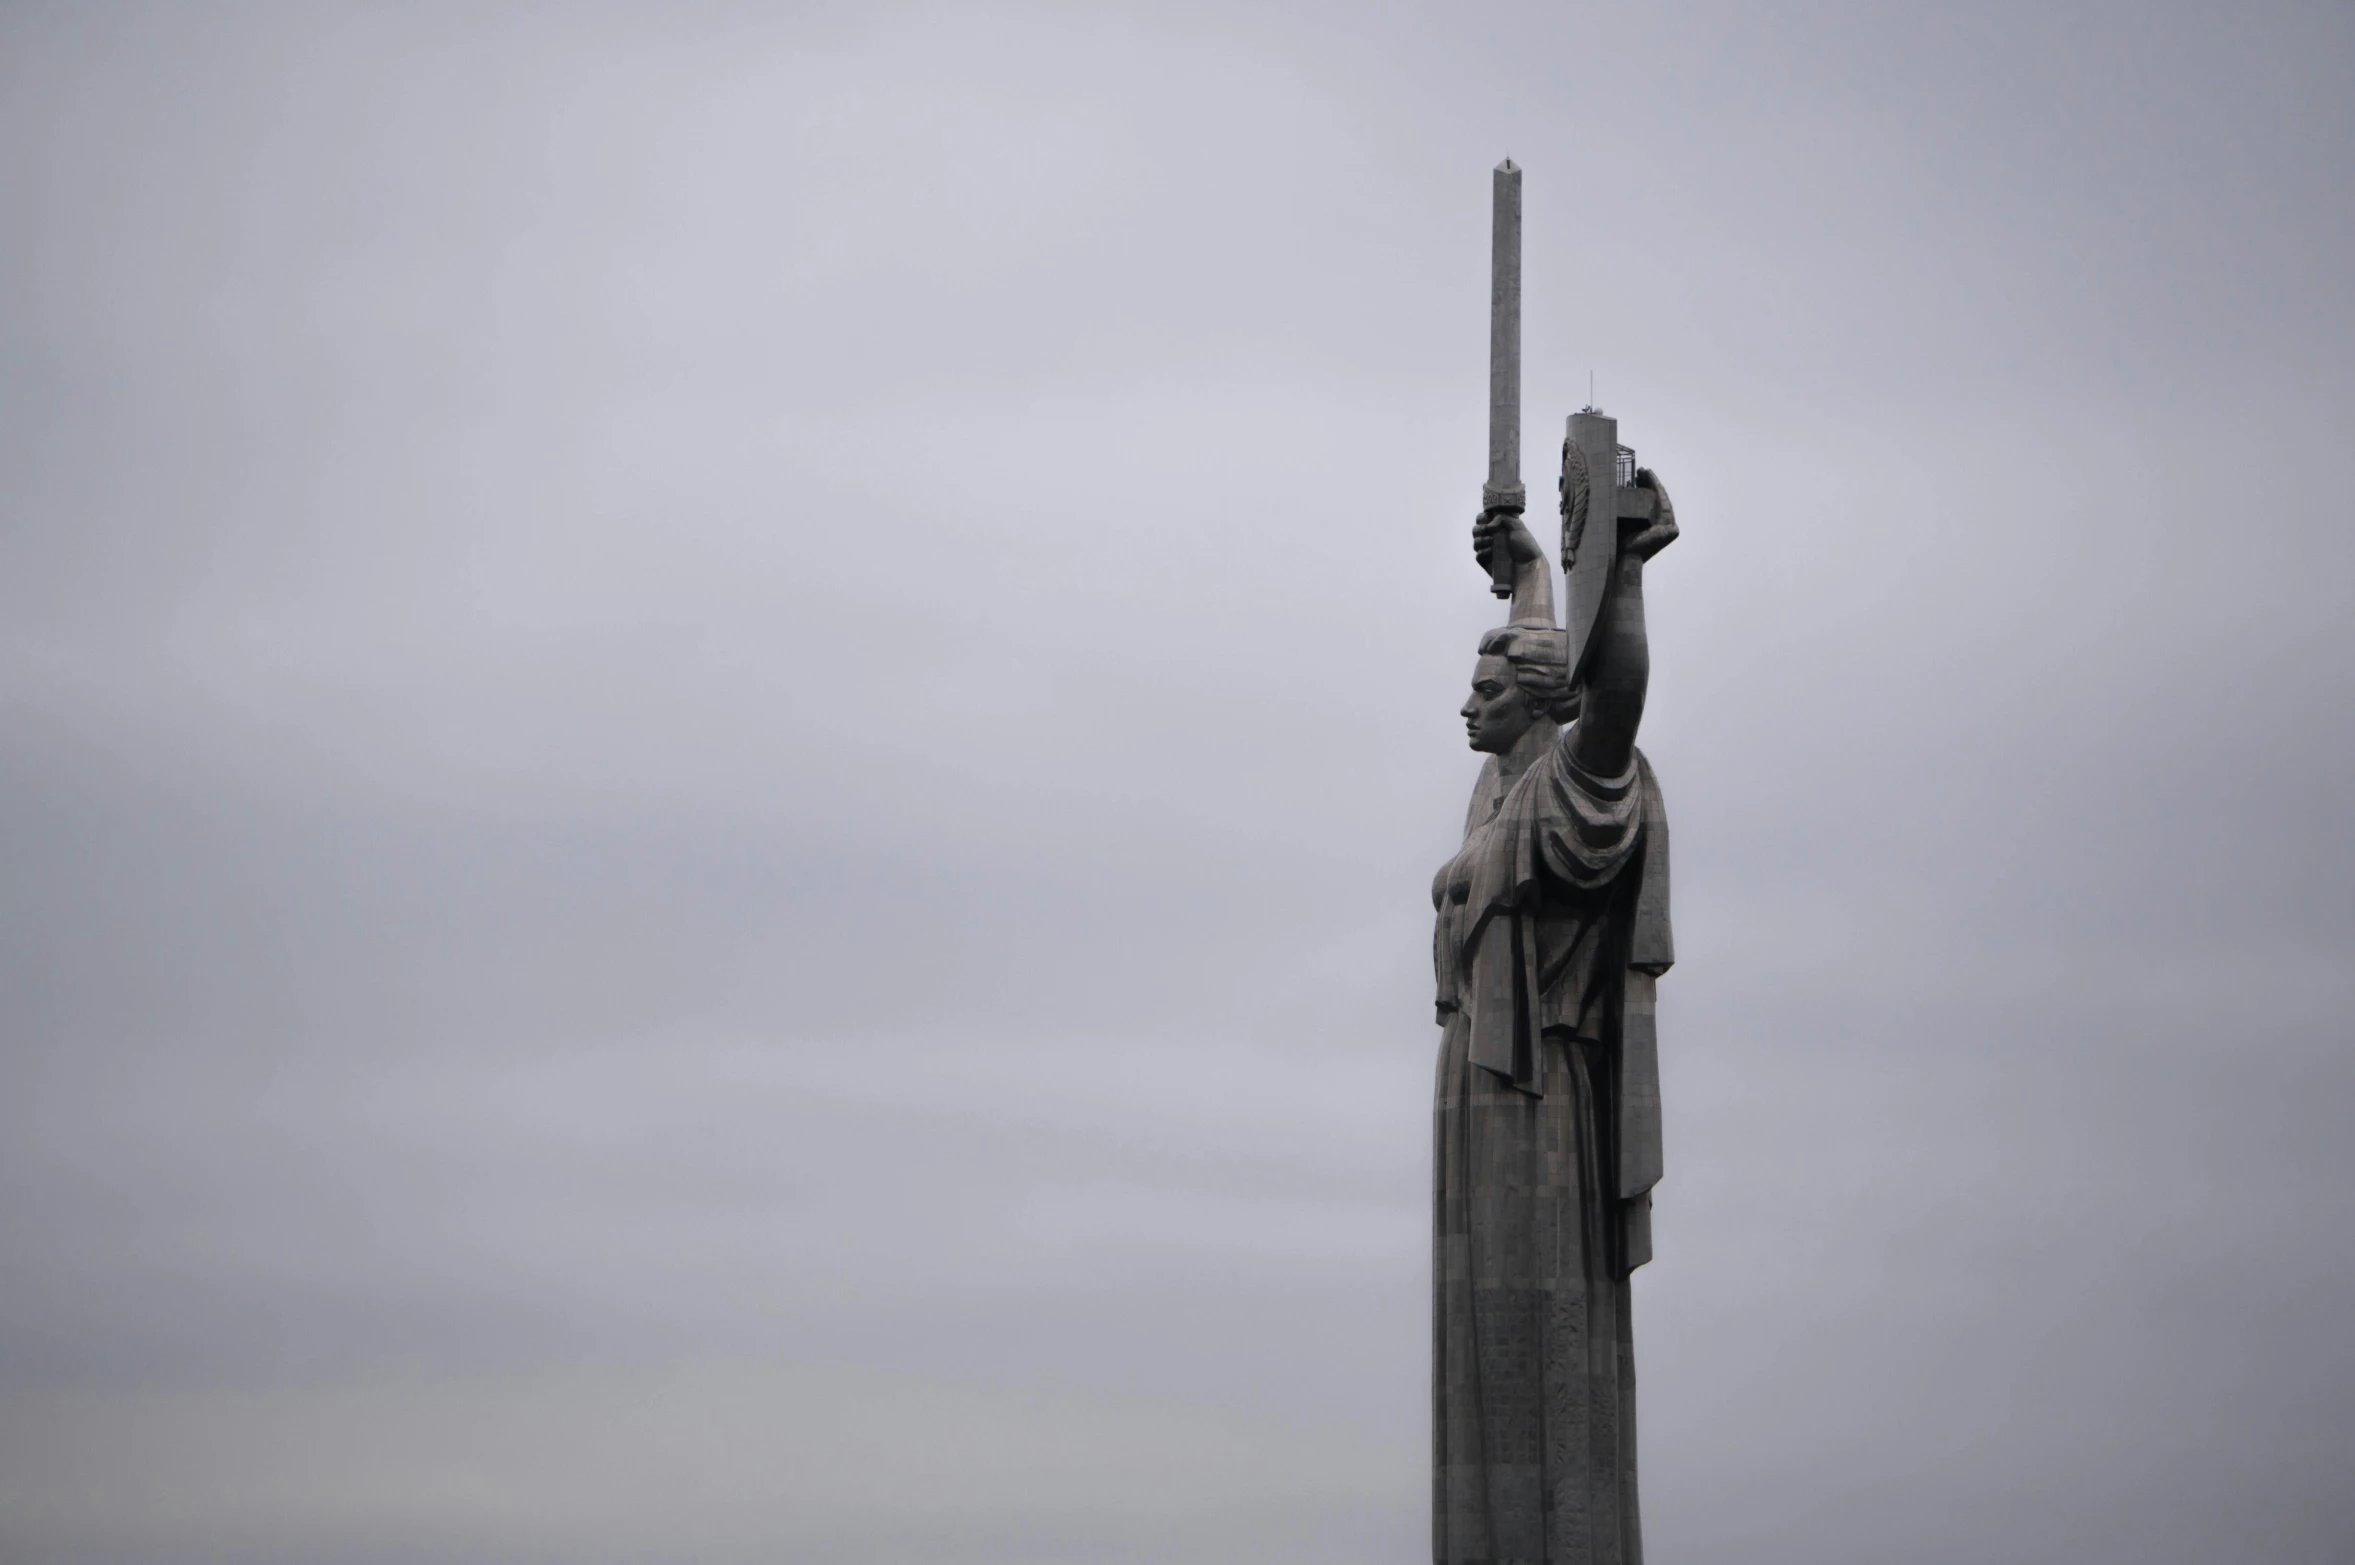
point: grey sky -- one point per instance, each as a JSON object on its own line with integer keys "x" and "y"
{"x": 722, "y": 729}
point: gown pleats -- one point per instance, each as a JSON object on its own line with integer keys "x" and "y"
{"x": 1533, "y": 1371}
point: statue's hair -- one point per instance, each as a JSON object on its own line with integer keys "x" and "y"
{"x": 1540, "y": 657}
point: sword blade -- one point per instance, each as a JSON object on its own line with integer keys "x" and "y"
{"x": 1504, "y": 361}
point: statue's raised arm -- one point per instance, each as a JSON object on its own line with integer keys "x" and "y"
{"x": 1619, "y": 662}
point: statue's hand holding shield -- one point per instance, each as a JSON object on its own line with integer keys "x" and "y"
{"x": 1649, "y": 529}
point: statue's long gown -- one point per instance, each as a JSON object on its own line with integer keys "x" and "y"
{"x": 1553, "y": 923}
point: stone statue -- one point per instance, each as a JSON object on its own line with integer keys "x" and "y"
{"x": 1552, "y": 927}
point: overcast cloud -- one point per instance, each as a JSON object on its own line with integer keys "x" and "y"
{"x": 722, "y": 729}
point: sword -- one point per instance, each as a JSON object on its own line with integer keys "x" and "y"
{"x": 1503, "y": 490}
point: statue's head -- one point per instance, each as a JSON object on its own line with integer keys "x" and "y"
{"x": 1522, "y": 678}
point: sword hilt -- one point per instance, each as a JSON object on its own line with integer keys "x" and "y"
{"x": 1502, "y": 497}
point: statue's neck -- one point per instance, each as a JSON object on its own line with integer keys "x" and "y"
{"x": 1526, "y": 752}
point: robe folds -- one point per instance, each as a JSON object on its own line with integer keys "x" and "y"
{"x": 1552, "y": 926}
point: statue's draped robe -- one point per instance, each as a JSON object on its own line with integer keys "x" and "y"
{"x": 1553, "y": 924}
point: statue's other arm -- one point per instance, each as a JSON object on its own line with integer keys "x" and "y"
{"x": 1619, "y": 666}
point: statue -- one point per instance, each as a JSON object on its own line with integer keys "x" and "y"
{"x": 1552, "y": 928}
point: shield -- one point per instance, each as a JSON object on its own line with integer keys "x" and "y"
{"x": 1596, "y": 496}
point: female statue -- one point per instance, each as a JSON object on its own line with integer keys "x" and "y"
{"x": 1552, "y": 926}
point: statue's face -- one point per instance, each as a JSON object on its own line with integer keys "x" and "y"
{"x": 1495, "y": 717}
